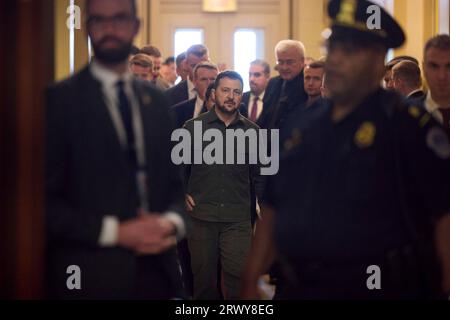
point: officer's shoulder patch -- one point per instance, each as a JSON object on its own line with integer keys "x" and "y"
{"x": 438, "y": 141}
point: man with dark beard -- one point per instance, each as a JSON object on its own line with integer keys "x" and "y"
{"x": 218, "y": 198}
{"x": 113, "y": 197}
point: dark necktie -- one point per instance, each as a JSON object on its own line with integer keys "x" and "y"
{"x": 125, "y": 112}
{"x": 130, "y": 148}
{"x": 254, "y": 113}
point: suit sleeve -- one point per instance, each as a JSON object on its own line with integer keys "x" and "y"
{"x": 175, "y": 198}
{"x": 64, "y": 222}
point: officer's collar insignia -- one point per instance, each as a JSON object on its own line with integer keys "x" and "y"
{"x": 414, "y": 111}
{"x": 294, "y": 140}
{"x": 146, "y": 99}
{"x": 437, "y": 140}
{"x": 365, "y": 136}
{"x": 347, "y": 11}
{"x": 424, "y": 120}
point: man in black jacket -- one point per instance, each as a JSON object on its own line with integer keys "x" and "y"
{"x": 112, "y": 193}
{"x": 286, "y": 92}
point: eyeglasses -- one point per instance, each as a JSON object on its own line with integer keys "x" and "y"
{"x": 118, "y": 22}
{"x": 289, "y": 62}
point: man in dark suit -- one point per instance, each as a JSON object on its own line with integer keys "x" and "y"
{"x": 407, "y": 80}
{"x": 113, "y": 195}
{"x": 286, "y": 92}
{"x": 185, "y": 90}
{"x": 259, "y": 76}
{"x": 205, "y": 73}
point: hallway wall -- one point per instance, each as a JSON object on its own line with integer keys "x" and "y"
{"x": 298, "y": 19}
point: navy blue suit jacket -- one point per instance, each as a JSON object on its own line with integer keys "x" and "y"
{"x": 177, "y": 94}
{"x": 184, "y": 111}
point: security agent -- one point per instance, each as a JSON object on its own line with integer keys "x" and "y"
{"x": 363, "y": 182}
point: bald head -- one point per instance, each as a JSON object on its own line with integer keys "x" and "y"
{"x": 406, "y": 77}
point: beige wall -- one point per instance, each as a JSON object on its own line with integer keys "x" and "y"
{"x": 62, "y": 47}
{"x": 61, "y": 40}
{"x": 309, "y": 19}
{"x": 303, "y": 20}
{"x": 168, "y": 15}
{"x": 419, "y": 20}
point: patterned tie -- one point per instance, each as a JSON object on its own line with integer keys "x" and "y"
{"x": 446, "y": 117}
{"x": 254, "y": 113}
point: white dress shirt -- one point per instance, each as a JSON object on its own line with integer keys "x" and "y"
{"x": 259, "y": 104}
{"x": 192, "y": 92}
{"x": 433, "y": 108}
{"x": 108, "y": 79}
{"x": 198, "y": 107}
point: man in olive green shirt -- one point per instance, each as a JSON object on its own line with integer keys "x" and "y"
{"x": 219, "y": 190}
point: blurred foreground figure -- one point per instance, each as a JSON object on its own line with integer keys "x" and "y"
{"x": 113, "y": 197}
{"x": 360, "y": 207}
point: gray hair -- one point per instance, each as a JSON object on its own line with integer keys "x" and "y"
{"x": 284, "y": 45}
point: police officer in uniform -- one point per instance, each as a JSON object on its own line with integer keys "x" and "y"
{"x": 360, "y": 208}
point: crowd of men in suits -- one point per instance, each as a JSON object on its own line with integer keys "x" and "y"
{"x": 118, "y": 207}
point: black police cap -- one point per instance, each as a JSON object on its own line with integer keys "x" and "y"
{"x": 357, "y": 20}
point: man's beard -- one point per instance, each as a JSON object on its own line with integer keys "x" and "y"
{"x": 112, "y": 56}
{"x": 225, "y": 110}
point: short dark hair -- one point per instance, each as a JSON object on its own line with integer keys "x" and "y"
{"x": 208, "y": 92}
{"x": 180, "y": 58}
{"x": 151, "y": 51}
{"x": 441, "y": 42}
{"x": 228, "y": 74}
{"x": 133, "y": 7}
{"x": 169, "y": 60}
{"x": 409, "y": 72}
{"x": 398, "y": 59}
{"x": 317, "y": 65}
{"x": 263, "y": 64}
{"x": 197, "y": 50}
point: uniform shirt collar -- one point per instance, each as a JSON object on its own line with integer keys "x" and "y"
{"x": 212, "y": 116}
{"x": 413, "y": 92}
